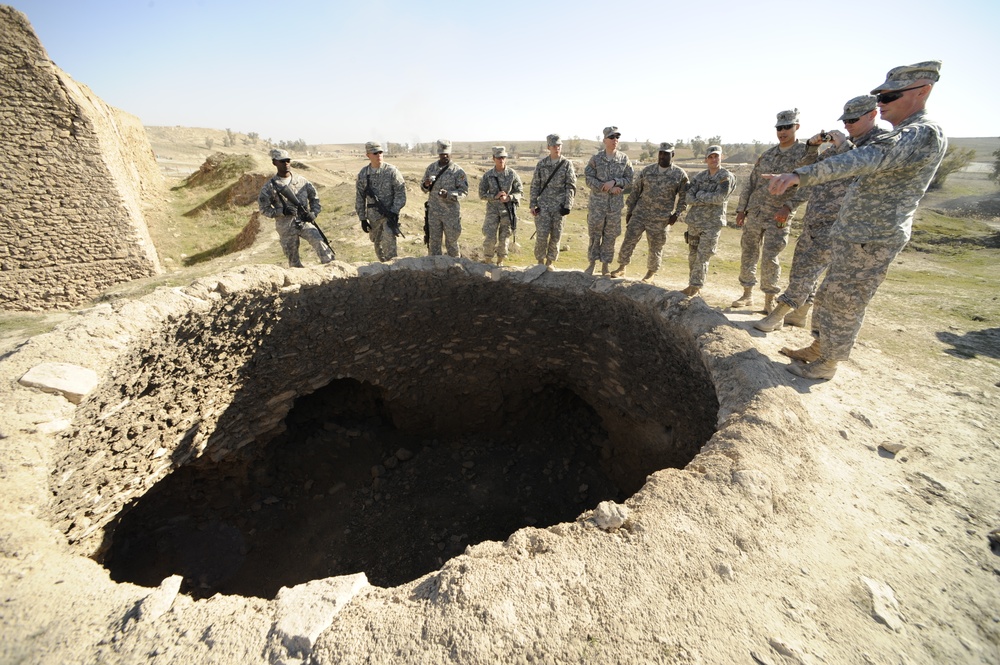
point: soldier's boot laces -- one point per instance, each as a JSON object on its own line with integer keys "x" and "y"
{"x": 820, "y": 368}
{"x": 605, "y": 269}
{"x": 691, "y": 291}
{"x": 807, "y": 354}
{"x": 746, "y": 299}
{"x": 775, "y": 320}
{"x": 798, "y": 316}
{"x": 590, "y": 268}
{"x": 619, "y": 271}
{"x": 768, "y": 303}
{"x": 649, "y": 275}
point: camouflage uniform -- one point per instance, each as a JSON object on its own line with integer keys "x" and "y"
{"x": 812, "y": 251}
{"x": 649, "y": 207}
{"x": 604, "y": 216}
{"x": 445, "y": 212}
{"x": 760, "y": 207}
{"x": 289, "y": 228}
{"x": 706, "y": 199}
{"x": 497, "y": 216}
{"x": 387, "y": 183}
{"x": 559, "y": 193}
{"x": 889, "y": 177}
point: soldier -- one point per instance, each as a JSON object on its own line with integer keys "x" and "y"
{"x": 812, "y": 251}
{"x": 764, "y": 217}
{"x": 889, "y": 177}
{"x": 553, "y": 189}
{"x": 380, "y": 195}
{"x": 501, "y": 188}
{"x": 706, "y": 199}
{"x": 656, "y": 201}
{"x": 609, "y": 173}
{"x": 446, "y": 185}
{"x": 291, "y": 201}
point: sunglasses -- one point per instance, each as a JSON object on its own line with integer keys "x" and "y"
{"x": 851, "y": 122}
{"x": 615, "y": 136}
{"x": 783, "y": 127}
{"x": 890, "y": 97}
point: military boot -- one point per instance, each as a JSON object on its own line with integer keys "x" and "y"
{"x": 619, "y": 271}
{"x": 590, "y": 268}
{"x": 691, "y": 291}
{"x": 798, "y": 316}
{"x": 746, "y": 300}
{"x": 500, "y": 261}
{"x": 605, "y": 269}
{"x": 649, "y": 275}
{"x": 768, "y": 303}
{"x": 821, "y": 368}
{"x": 807, "y": 354}
{"x": 548, "y": 264}
{"x": 775, "y": 320}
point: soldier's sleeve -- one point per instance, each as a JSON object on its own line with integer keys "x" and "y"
{"x": 590, "y": 173}
{"x": 849, "y": 164}
{"x": 627, "y": 175}
{"x": 313, "y": 197}
{"x": 681, "y": 197}
{"x": 265, "y": 201}
{"x": 398, "y": 191}
{"x": 427, "y": 174}
{"x": 536, "y": 184}
{"x": 809, "y": 155}
{"x": 360, "y": 201}
{"x": 720, "y": 194}
{"x": 570, "y": 184}
{"x": 484, "y": 187}
{"x": 461, "y": 183}
{"x": 516, "y": 187}
{"x": 691, "y": 193}
{"x": 636, "y": 192}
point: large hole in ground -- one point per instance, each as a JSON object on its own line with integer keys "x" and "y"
{"x": 376, "y": 425}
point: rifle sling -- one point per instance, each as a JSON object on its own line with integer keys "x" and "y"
{"x": 562, "y": 161}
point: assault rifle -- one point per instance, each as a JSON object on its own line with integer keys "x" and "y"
{"x": 392, "y": 218}
{"x": 302, "y": 215}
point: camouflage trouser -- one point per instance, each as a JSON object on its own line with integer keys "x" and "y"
{"x": 702, "y": 244}
{"x": 811, "y": 257}
{"x": 289, "y": 234}
{"x": 604, "y": 225}
{"x": 497, "y": 224}
{"x": 450, "y": 226}
{"x": 656, "y": 237}
{"x": 382, "y": 238}
{"x": 759, "y": 231}
{"x": 855, "y": 273}
{"x": 548, "y": 231}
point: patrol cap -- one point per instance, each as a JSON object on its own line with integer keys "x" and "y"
{"x": 666, "y": 146}
{"x": 279, "y": 155}
{"x": 443, "y": 147}
{"x": 857, "y": 107}
{"x": 903, "y": 77}
{"x": 372, "y": 147}
{"x": 552, "y": 140}
{"x": 499, "y": 151}
{"x": 713, "y": 150}
{"x": 608, "y": 131}
{"x": 788, "y": 118}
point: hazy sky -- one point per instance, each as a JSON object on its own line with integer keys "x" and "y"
{"x": 337, "y": 72}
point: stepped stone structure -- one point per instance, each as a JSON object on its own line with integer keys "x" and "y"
{"x": 71, "y": 192}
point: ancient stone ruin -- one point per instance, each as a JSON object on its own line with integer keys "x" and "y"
{"x": 285, "y": 454}
{"x": 76, "y": 178}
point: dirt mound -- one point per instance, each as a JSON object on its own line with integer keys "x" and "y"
{"x": 243, "y": 192}
{"x": 977, "y": 207}
{"x": 218, "y": 169}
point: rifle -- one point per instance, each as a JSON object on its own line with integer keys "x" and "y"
{"x": 302, "y": 215}
{"x": 392, "y": 218}
{"x": 510, "y": 206}
{"x": 427, "y": 207}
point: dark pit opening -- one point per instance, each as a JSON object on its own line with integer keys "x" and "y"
{"x": 343, "y": 491}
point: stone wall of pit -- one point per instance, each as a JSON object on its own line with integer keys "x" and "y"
{"x": 451, "y": 351}
{"x": 71, "y": 213}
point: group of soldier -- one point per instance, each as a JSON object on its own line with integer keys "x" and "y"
{"x": 861, "y": 194}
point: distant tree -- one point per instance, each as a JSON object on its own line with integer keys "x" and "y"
{"x": 252, "y": 137}
{"x": 680, "y": 143}
{"x": 995, "y": 176}
{"x": 954, "y": 160}
{"x": 574, "y": 145}
{"x": 623, "y": 147}
{"x": 715, "y": 140}
{"x": 209, "y": 142}
{"x": 230, "y": 139}
{"x": 698, "y": 146}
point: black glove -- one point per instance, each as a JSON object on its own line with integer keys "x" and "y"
{"x": 287, "y": 210}
{"x": 563, "y": 210}
{"x": 307, "y": 216}
{"x": 365, "y": 226}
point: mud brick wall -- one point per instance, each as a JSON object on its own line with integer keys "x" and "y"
{"x": 76, "y": 173}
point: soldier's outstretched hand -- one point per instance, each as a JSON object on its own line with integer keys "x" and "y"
{"x": 780, "y": 182}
